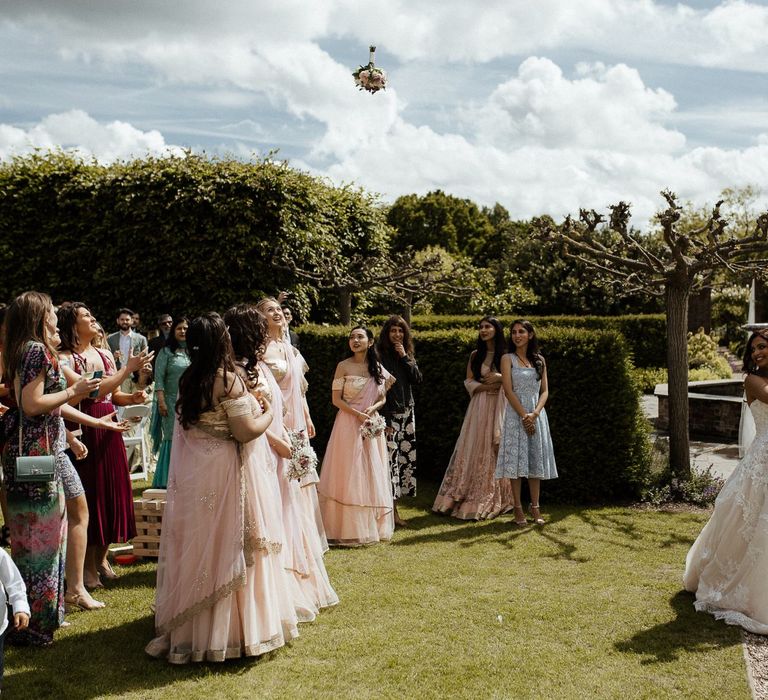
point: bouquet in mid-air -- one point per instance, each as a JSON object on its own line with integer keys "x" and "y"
{"x": 370, "y": 77}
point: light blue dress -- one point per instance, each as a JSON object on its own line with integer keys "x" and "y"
{"x": 520, "y": 454}
{"x": 168, "y": 370}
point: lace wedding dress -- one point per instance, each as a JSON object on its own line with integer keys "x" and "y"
{"x": 727, "y": 567}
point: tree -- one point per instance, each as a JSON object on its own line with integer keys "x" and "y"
{"x": 686, "y": 263}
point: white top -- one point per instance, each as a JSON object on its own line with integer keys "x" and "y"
{"x": 12, "y": 590}
{"x": 125, "y": 346}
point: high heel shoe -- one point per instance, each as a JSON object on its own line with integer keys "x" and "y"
{"x": 536, "y": 515}
{"x": 75, "y": 601}
{"x": 106, "y": 572}
{"x": 520, "y": 519}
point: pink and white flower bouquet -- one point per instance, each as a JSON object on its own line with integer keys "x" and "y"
{"x": 373, "y": 426}
{"x": 369, "y": 77}
{"x": 303, "y": 457}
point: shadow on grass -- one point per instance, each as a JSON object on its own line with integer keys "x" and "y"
{"x": 105, "y": 662}
{"x": 690, "y": 631}
{"x": 136, "y": 578}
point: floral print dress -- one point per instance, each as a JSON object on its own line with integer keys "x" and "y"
{"x": 36, "y": 512}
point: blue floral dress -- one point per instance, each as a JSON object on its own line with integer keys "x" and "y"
{"x": 520, "y": 454}
{"x": 36, "y": 512}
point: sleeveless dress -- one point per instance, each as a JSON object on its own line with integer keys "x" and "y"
{"x": 468, "y": 490}
{"x": 727, "y": 566}
{"x": 520, "y": 454}
{"x": 355, "y": 488}
{"x": 303, "y": 551}
{"x": 168, "y": 370}
{"x": 222, "y": 591}
{"x": 104, "y": 471}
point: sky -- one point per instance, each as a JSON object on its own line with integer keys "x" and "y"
{"x": 544, "y": 107}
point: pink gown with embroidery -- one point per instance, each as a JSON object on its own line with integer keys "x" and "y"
{"x": 222, "y": 590}
{"x": 469, "y": 490}
{"x": 303, "y": 551}
{"x": 288, "y": 368}
{"x": 355, "y": 486}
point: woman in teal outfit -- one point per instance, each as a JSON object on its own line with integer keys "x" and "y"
{"x": 172, "y": 360}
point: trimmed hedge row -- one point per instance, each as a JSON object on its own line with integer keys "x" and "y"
{"x": 646, "y": 334}
{"x": 600, "y": 434}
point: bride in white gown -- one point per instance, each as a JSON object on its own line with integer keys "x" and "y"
{"x": 727, "y": 567}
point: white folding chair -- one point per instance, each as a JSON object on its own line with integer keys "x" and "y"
{"x": 136, "y": 436}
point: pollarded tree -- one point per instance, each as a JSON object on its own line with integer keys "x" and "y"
{"x": 682, "y": 266}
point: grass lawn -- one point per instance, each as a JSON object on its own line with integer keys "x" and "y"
{"x": 588, "y": 606}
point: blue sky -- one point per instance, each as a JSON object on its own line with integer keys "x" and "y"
{"x": 544, "y": 107}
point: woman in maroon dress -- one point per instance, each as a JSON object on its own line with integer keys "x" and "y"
{"x": 104, "y": 471}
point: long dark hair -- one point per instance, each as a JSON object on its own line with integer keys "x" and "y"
{"x": 25, "y": 321}
{"x": 248, "y": 331}
{"x": 371, "y": 355}
{"x": 67, "y": 315}
{"x": 532, "y": 353}
{"x": 481, "y": 350}
{"x": 210, "y": 350}
{"x": 749, "y": 366}
{"x": 171, "y": 343}
{"x": 385, "y": 344}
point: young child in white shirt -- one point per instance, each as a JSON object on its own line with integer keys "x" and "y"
{"x": 13, "y": 592}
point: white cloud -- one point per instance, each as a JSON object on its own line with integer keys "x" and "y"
{"x": 729, "y": 35}
{"x": 77, "y": 131}
{"x": 606, "y": 108}
{"x": 531, "y": 180}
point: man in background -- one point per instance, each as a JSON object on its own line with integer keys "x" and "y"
{"x": 125, "y": 342}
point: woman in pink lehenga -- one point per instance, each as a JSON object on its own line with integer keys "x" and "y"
{"x": 222, "y": 591}
{"x": 302, "y": 553}
{"x": 355, "y": 486}
{"x": 288, "y": 368}
{"x": 469, "y": 490}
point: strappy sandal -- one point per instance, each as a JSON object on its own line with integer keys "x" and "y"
{"x": 75, "y": 601}
{"x": 520, "y": 519}
{"x": 536, "y": 515}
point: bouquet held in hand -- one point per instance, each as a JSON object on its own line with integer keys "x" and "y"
{"x": 373, "y": 426}
{"x": 303, "y": 457}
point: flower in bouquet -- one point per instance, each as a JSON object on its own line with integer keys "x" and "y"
{"x": 369, "y": 77}
{"x": 303, "y": 457}
{"x": 373, "y": 426}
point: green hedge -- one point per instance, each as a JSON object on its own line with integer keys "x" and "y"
{"x": 645, "y": 333}
{"x": 600, "y": 435}
{"x": 187, "y": 233}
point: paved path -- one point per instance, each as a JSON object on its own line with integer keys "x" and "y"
{"x": 721, "y": 457}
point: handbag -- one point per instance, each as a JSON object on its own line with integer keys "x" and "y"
{"x": 38, "y": 468}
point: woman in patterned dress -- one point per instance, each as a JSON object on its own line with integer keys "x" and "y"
{"x": 526, "y": 448}
{"x": 396, "y": 354}
{"x": 36, "y": 510}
